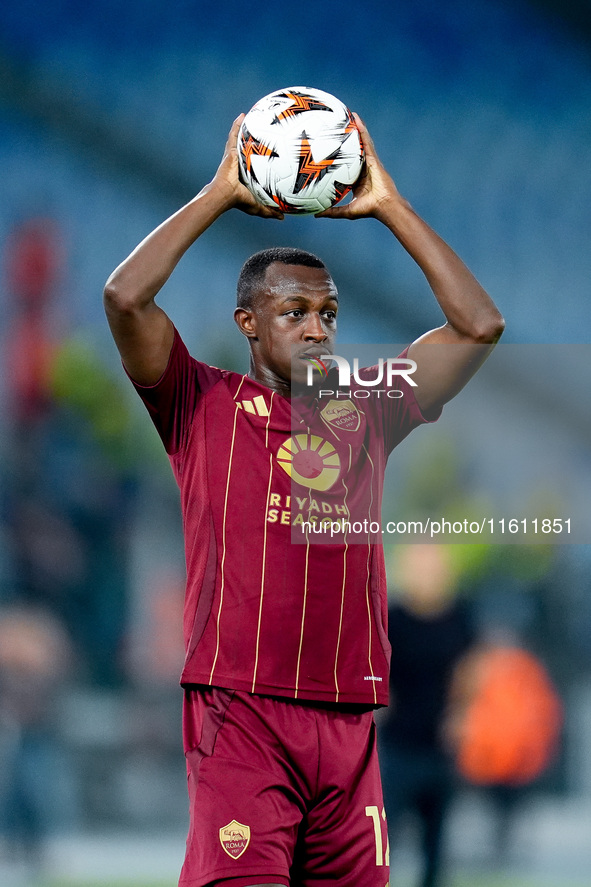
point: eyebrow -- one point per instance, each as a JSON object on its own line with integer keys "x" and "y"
{"x": 304, "y": 298}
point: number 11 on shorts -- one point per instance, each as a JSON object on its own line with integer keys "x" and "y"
{"x": 381, "y": 858}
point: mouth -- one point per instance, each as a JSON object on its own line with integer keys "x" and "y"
{"x": 314, "y": 353}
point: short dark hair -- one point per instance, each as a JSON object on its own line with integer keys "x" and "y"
{"x": 254, "y": 269}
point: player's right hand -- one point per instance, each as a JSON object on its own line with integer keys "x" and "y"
{"x": 227, "y": 181}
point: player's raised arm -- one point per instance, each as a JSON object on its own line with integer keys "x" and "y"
{"x": 473, "y": 323}
{"x": 141, "y": 329}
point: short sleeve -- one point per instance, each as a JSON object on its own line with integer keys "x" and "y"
{"x": 174, "y": 398}
{"x": 398, "y": 407}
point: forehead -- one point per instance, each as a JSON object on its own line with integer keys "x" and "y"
{"x": 297, "y": 280}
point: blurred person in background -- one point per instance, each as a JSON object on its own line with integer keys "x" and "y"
{"x": 430, "y": 629}
{"x": 37, "y": 795}
{"x": 504, "y": 724}
{"x": 65, "y": 490}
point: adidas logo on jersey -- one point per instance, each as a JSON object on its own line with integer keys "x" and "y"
{"x": 256, "y": 406}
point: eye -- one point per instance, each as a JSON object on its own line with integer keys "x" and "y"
{"x": 295, "y": 312}
{"x": 330, "y": 315}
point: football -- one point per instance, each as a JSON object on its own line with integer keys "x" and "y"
{"x": 299, "y": 149}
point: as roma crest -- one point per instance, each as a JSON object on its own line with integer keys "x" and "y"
{"x": 235, "y": 838}
{"x": 341, "y": 414}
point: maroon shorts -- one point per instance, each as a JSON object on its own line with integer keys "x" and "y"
{"x": 281, "y": 792}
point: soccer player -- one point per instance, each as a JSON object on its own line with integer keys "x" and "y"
{"x": 286, "y": 646}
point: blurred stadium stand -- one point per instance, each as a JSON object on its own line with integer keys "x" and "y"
{"x": 483, "y": 116}
{"x": 112, "y": 115}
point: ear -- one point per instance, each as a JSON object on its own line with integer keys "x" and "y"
{"x": 246, "y": 322}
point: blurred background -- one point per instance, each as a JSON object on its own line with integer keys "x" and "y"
{"x": 112, "y": 115}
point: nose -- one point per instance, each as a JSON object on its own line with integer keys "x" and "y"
{"x": 315, "y": 331}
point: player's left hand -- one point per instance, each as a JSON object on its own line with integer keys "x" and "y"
{"x": 374, "y": 191}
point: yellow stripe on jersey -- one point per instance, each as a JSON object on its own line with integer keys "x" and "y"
{"x": 223, "y": 560}
{"x": 305, "y": 601}
{"x": 264, "y": 558}
{"x": 336, "y": 657}
{"x": 368, "y": 582}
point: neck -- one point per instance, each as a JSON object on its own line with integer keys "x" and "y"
{"x": 268, "y": 378}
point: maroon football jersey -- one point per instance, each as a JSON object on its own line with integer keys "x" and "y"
{"x": 263, "y": 613}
